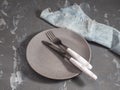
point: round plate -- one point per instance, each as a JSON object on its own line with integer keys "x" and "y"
{"x": 46, "y": 63}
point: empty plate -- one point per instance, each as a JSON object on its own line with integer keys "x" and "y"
{"x": 51, "y": 65}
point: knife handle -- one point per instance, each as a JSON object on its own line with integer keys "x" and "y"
{"x": 83, "y": 68}
{"x": 79, "y": 58}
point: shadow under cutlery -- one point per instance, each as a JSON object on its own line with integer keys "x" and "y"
{"x": 66, "y": 62}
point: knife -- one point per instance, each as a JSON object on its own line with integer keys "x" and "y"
{"x": 74, "y": 54}
{"x": 77, "y": 64}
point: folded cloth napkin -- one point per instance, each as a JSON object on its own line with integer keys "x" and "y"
{"x": 74, "y": 18}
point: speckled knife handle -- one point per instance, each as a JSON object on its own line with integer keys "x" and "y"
{"x": 79, "y": 58}
{"x": 83, "y": 68}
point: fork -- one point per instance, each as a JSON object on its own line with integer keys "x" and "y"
{"x": 74, "y": 54}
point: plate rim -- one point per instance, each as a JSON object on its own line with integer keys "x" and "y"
{"x": 46, "y": 75}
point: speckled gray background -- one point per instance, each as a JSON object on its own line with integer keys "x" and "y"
{"x": 19, "y": 22}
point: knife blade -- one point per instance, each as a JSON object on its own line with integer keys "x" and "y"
{"x": 72, "y": 60}
{"x": 56, "y": 49}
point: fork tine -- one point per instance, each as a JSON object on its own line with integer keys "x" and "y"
{"x": 50, "y": 35}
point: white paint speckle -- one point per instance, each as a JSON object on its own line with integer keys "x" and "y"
{"x": 20, "y": 39}
{"x": 19, "y": 16}
{"x": 105, "y": 15}
{"x": 14, "y": 58}
{"x": 14, "y": 30}
{"x": 67, "y": 3}
{"x": 15, "y": 23}
{"x": 117, "y": 84}
{"x": 85, "y": 6}
{"x": 118, "y": 10}
{"x": 117, "y": 73}
{"x": 13, "y": 41}
{"x": 15, "y": 80}
{"x": 64, "y": 86}
{"x": 63, "y": 3}
{"x": 106, "y": 55}
{"x": 2, "y": 55}
{"x": 4, "y": 13}
{"x": 5, "y": 3}
{"x": 107, "y": 21}
{"x": 1, "y": 41}
{"x": 16, "y": 20}
{"x": 1, "y": 73}
{"x": 14, "y": 63}
{"x": 16, "y": 76}
{"x": 116, "y": 63}
{"x": 95, "y": 9}
{"x": 2, "y": 24}
{"x": 14, "y": 48}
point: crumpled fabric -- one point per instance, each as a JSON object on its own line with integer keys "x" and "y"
{"x": 73, "y": 18}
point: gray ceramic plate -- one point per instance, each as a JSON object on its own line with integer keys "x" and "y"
{"x": 48, "y": 64}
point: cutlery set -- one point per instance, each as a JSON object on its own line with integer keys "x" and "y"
{"x": 77, "y": 60}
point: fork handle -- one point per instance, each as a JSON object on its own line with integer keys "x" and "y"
{"x": 83, "y": 68}
{"x": 79, "y": 58}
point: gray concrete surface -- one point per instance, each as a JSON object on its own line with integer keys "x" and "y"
{"x": 19, "y": 22}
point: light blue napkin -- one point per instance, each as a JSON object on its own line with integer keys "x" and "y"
{"x": 74, "y": 18}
